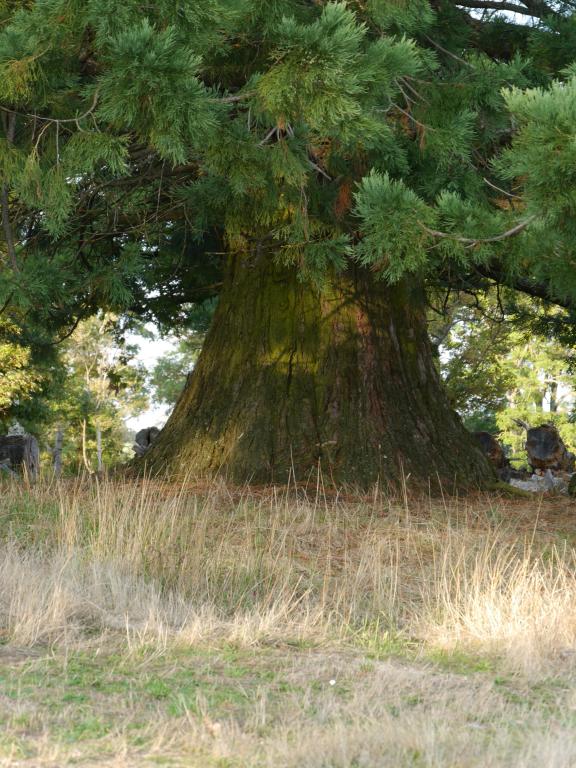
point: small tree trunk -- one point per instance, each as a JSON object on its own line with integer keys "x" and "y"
{"x": 31, "y": 457}
{"x": 57, "y": 451}
{"x": 553, "y": 387}
{"x": 99, "y": 448}
{"x": 84, "y": 447}
{"x": 291, "y": 379}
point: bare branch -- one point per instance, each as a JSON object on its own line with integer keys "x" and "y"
{"x": 537, "y": 9}
{"x": 271, "y": 133}
{"x": 447, "y": 52}
{"x": 525, "y": 285}
{"x": 233, "y": 99}
{"x": 320, "y": 170}
{"x": 56, "y": 120}
{"x": 470, "y": 242}
{"x": 499, "y": 189}
{"x": 412, "y": 118}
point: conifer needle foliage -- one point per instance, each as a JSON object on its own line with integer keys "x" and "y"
{"x": 140, "y": 142}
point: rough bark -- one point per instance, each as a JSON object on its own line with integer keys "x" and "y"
{"x": 57, "y": 451}
{"x": 291, "y": 379}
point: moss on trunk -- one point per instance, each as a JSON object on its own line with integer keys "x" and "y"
{"x": 291, "y": 378}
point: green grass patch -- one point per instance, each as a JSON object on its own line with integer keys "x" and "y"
{"x": 379, "y": 642}
{"x": 461, "y": 662}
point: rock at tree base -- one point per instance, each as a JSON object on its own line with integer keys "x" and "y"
{"x": 546, "y": 483}
{"x": 144, "y": 440}
{"x": 546, "y": 449}
{"x": 494, "y": 452}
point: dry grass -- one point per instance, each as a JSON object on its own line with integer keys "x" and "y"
{"x": 369, "y": 631}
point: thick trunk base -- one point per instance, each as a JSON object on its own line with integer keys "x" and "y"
{"x": 291, "y": 380}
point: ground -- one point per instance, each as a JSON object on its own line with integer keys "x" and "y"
{"x": 145, "y": 624}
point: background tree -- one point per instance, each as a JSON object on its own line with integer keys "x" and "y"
{"x": 498, "y": 369}
{"x": 31, "y": 376}
{"x": 17, "y": 380}
{"x": 474, "y": 363}
{"x": 169, "y": 375}
{"x": 168, "y": 378}
{"x": 542, "y": 392}
{"x": 103, "y": 387}
{"x": 319, "y": 166}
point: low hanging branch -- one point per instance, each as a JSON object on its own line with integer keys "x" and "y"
{"x": 471, "y": 242}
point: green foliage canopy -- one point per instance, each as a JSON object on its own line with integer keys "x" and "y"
{"x": 139, "y": 143}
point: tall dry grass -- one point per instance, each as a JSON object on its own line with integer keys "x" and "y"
{"x": 191, "y": 565}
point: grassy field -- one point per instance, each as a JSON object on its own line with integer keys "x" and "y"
{"x": 145, "y": 624}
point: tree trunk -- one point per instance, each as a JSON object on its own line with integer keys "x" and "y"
{"x": 99, "y": 449}
{"x": 553, "y": 396}
{"x": 57, "y": 451}
{"x": 85, "y": 447}
{"x": 291, "y": 379}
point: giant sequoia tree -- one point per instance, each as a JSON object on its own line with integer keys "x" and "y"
{"x": 320, "y": 166}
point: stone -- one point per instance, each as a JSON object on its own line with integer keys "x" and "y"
{"x": 547, "y": 483}
{"x": 546, "y": 449}
{"x": 144, "y": 440}
{"x": 494, "y": 452}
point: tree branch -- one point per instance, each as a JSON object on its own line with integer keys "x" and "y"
{"x": 56, "y": 120}
{"x": 470, "y": 242}
{"x": 474, "y": 282}
{"x": 447, "y": 52}
{"x": 524, "y": 285}
{"x": 538, "y": 9}
{"x": 494, "y": 272}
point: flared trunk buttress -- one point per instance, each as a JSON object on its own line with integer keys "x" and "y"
{"x": 292, "y": 378}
